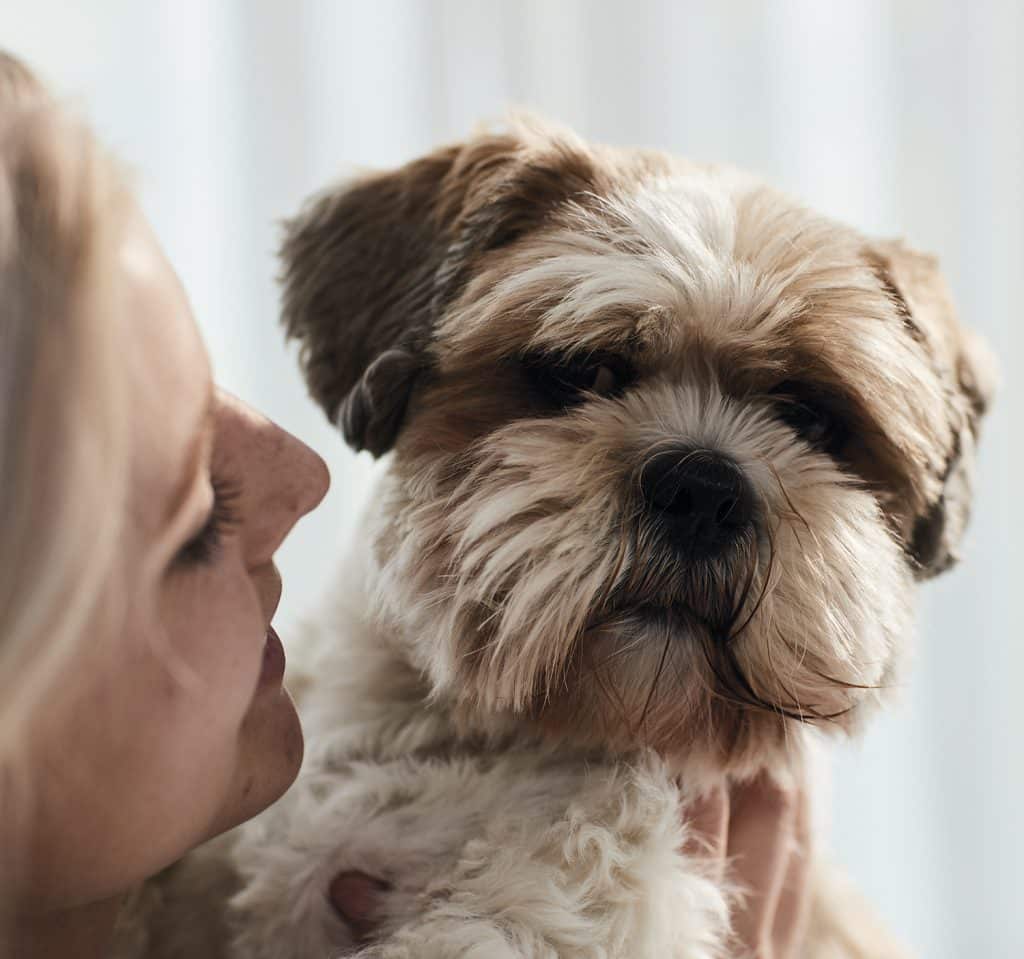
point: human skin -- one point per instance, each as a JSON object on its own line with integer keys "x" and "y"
{"x": 758, "y": 834}
{"x": 167, "y": 729}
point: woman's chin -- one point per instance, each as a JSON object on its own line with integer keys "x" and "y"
{"x": 271, "y": 748}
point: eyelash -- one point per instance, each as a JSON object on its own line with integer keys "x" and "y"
{"x": 202, "y": 548}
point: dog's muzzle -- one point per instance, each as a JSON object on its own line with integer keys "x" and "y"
{"x": 700, "y": 498}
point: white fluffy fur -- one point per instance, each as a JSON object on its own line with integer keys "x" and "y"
{"x": 514, "y": 855}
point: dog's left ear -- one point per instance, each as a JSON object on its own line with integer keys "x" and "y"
{"x": 369, "y": 266}
{"x": 966, "y": 366}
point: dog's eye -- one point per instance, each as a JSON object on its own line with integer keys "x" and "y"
{"x": 567, "y": 380}
{"x": 812, "y": 417}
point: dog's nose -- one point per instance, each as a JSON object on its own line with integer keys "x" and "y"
{"x": 702, "y": 498}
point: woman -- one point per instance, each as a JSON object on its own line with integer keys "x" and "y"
{"x": 141, "y": 513}
{"x": 141, "y": 704}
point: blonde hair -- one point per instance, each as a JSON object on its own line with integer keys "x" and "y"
{"x": 63, "y": 436}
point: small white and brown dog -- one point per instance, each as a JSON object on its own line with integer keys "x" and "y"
{"x": 667, "y": 455}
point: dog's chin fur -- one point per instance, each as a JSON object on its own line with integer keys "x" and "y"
{"x": 530, "y": 676}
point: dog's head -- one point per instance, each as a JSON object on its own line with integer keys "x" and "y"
{"x": 669, "y": 449}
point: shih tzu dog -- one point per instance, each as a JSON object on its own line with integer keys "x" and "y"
{"x": 667, "y": 454}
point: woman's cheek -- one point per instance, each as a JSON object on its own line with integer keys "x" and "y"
{"x": 216, "y": 627}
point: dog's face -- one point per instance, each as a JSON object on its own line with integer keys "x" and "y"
{"x": 669, "y": 450}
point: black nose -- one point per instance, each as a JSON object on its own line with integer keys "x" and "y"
{"x": 702, "y": 499}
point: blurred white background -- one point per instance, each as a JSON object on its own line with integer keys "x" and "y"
{"x": 900, "y": 117}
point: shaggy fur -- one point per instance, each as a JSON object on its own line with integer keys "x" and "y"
{"x": 528, "y": 676}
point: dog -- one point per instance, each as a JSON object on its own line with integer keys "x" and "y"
{"x": 666, "y": 456}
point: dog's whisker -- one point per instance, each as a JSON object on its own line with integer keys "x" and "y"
{"x": 655, "y": 680}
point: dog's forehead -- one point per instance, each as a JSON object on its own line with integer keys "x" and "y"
{"x": 705, "y": 261}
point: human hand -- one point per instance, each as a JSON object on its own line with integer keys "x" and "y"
{"x": 757, "y": 835}
{"x": 356, "y": 897}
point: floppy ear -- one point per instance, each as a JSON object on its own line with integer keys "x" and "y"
{"x": 966, "y": 368}
{"x": 359, "y": 264}
{"x": 370, "y": 266}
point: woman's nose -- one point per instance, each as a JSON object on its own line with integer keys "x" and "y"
{"x": 281, "y": 479}
{"x": 303, "y": 475}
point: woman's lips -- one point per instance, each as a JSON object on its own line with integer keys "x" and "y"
{"x": 272, "y": 672}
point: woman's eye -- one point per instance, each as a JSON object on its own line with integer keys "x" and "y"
{"x": 202, "y": 548}
{"x": 567, "y": 381}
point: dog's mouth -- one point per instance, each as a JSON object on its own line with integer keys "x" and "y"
{"x": 658, "y": 675}
{"x": 716, "y": 598}
{"x": 623, "y": 615}
{"x": 680, "y": 638}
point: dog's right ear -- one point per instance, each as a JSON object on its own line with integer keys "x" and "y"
{"x": 359, "y": 266}
{"x": 370, "y": 265}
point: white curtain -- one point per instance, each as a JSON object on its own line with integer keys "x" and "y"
{"x": 901, "y": 117}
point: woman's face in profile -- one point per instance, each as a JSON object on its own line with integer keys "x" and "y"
{"x": 175, "y": 726}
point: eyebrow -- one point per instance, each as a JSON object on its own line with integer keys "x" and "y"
{"x": 193, "y": 458}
